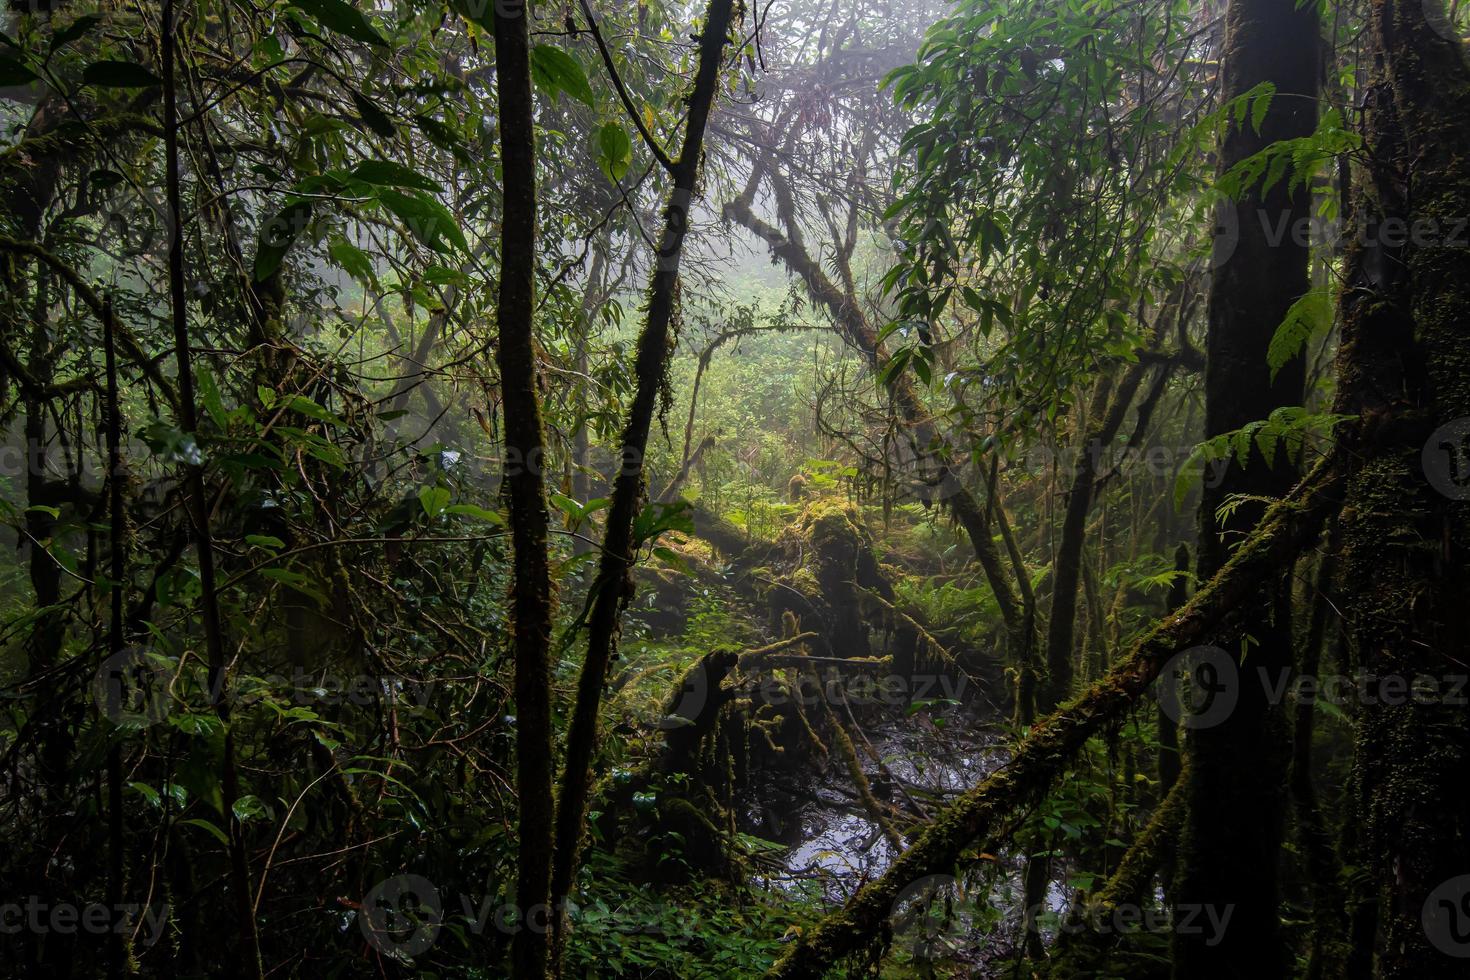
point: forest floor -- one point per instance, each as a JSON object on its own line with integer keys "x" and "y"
{"x": 808, "y": 837}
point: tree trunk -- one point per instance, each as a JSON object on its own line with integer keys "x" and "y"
{"x": 613, "y": 585}
{"x": 1404, "y": 366}
{"x": 1236, "y": 781}
{"x": 1060, "y": 630}
{"x": 525, "y": 465}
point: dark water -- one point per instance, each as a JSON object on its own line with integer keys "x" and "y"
{"x": 833, "y": 846}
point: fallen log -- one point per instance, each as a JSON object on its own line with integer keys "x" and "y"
{"x": 990, "y": 810}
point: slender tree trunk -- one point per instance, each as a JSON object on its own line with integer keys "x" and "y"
{"x": 248, "y": 962}
{"x": 1236, "y": 783}
{"x": 613, "y": 585}
{"x": 1313, "y": 835}
{"x": 1061, "y": 625}
{"x": 525, "y": 465}
{"x": 1168, "y": 730}
{"x": 117, "y": 944}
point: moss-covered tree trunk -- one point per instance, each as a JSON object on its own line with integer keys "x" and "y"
{"x": 613, "y": 586}
{"x": 525, "y": 462}
{"x": 1061, "y": 626}
{"x": 1404, "y": 367}
{"x": 1230, "y": 848}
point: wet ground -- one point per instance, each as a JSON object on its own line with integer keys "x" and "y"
{"x": 965, "y": 927}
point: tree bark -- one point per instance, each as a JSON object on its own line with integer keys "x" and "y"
{"x": 1061, "y": 624}
{"x": 1236, "y": 781}
{"x": 1404, "y": 368}
{"x": 525, "y": 464}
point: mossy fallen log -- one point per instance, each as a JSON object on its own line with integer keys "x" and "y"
{"x": 990, "y": 810}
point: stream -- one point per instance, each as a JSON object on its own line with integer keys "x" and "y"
{"x": 833, "y": 846}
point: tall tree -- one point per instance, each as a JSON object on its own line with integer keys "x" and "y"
{"x": 1404, "y": 369}
{"x": 525, "y": 461}
{"x": 613, "y": 587}
{"x": 1230, "y": 847}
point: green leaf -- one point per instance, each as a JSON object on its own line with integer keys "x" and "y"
{"x": 1262, "y": 105}
{"x": 14, "y": 72}
{"x": 147, "y": 792}
{"x": 351, "y": 260}
{"x": 433, "y": 500}
{"x": 478, "y": 513}
{"x": 657, "y": 517}
{"x": 614, "y": 151}
{"x": 250, "y": 807}
{"x": 443, "y": 136}
{"x": 277, "y": 236}
{"x": 555, "y": 71}
{"x": 344, "y": 18}
{"x": 1309, "y": 316}
{"x": 214, "y": 831}
{"x": 265, "y": 541}
{"x": 209, "y": 394}
{"x": 389, "y": 174}
{"x": 374, "y": 118}
{"x": 673, "y": 559}
{"x": 427, "y": 220}
{"x": 266, "y": 395}
{"x": 309, "y": 408}
{"x": 75, "y": 30}
{"x": 119, "y": 74}
{"x": 890, "y": 371}
{"x": 295, "y": 581}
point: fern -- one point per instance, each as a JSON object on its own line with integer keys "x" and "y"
{"x": 1297, "y": 157}
{"x": 1288, "y": 427}
{"x": 1309, "y": 317}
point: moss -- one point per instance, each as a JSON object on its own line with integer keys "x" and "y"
{"x": 986, "y": 813}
